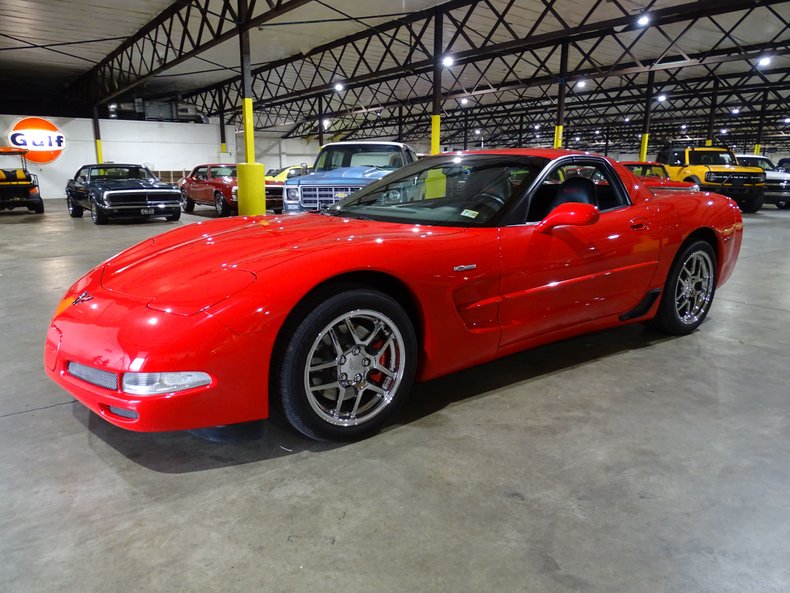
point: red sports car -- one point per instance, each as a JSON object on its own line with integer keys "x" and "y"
{"x": 216, "y": 185}
{"x": 329, "y": 316}
{"x": 655, "y": 176}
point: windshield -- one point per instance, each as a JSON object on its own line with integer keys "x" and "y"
{"x": 757, "y": 161}
{"x": 711, "y": 157}
{"x": 383, "y": 156}
{"x": 449, "y": 190}
{"x": 223, "y": 172}
{"x": 121, "y": 172}
{"x": 645, "y": 170}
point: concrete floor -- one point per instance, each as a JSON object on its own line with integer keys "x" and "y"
{"x": 623, "y": 461}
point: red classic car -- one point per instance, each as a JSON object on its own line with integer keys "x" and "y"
{"x": 216, "y": 185}
{"x": 656, "y": 176}
{"x": 329, "y": 316}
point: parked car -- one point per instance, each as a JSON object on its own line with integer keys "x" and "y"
{"x": 18, "y": 186}
{"x": 777, "y": 180}
{"x": 655, "y": 176}
{"x": 113, "y": 190}
{"x": 340, "y": 169}
{"x": 714, "y": 168}
{"x": 216, "y": 185}
{"x": 285, "y": 173}
{"x": 329, "y": 316}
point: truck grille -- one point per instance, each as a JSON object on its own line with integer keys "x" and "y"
{"x": 316, "y": 197}
{"x": 735, "y": 178}
{"x": 142, "y": 198}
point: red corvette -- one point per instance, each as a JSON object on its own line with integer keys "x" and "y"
{"x": 656, "y": 176}
{"x": 329, "y": 317}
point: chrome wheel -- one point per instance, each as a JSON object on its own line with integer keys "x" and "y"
{"x": 694, "y": 288}
{"x": 354, "y": 367}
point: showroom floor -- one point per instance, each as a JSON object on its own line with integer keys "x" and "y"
{"x": 624, "y": 461}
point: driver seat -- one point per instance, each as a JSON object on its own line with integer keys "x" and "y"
{"x": 575, "y": 189}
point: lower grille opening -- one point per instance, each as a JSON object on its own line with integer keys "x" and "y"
{"x": 130, "y": 414}
{"x": 93, "y": 376}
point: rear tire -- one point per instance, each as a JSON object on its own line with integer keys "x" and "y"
{"x": 221, "y": 205}
{"x": 783, "y": 204}
{"x": 38, "y": 208}
{"x": 688, "y": 291}
{"x": 344, "y": 364}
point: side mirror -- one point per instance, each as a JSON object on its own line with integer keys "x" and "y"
{"x": 304, "y": 168}
{"x": 569, "y": 213}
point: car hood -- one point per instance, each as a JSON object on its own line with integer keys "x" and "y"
{"x": 196, "y": 266}
{"x": 777, "y": 176}
{"x": 138, "y": 184}
{"x": 732, "y": 169}
{"x": 346, "y": 175}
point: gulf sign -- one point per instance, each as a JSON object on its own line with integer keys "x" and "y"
{"x": 40, "y": 136}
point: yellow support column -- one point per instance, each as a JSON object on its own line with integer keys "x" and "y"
{"x": 99, "y": 155}
{"x": 709, "y": 142}
{"x": 223, "y": 147}
{"x": 251, "y": 175}
{"x": 757, "y": 149}
{"x": 436, "y": 144}
{"x": 643, "y": 147}
{"x": 558, "y": 136}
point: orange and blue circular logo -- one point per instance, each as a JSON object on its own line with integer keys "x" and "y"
{"x": 40, "y": 136}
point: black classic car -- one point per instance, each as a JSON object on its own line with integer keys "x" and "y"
{"x": 120, "y": 191}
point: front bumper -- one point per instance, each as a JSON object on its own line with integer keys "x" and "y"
{"x": 114, "y": 334}
{"x": 733, "y": 191}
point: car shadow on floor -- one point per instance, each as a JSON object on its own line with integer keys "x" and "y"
{"x": 200, "y": 450}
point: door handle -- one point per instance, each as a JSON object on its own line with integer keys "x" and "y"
{"x": 639, "y": 224}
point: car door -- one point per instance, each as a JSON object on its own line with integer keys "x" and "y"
{"x": 573, "y": 274}
{"x": 199, "y": 188}
{"x": 79, "y": 187}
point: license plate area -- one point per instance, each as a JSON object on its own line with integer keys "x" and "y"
{"x": 146, "y": 211}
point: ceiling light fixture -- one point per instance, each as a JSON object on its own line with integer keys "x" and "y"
{"x": 339, "y": 86}
{"x": 448, "y": 61}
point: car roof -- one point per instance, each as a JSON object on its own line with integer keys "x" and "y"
{"x": 371, "y": 142}
{"x": 651, "y": 163}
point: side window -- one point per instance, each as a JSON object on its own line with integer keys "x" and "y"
{"x": 663, "y": 156}
{"x": 201, "y": 173}
{"x": 82, "y": 175}
{"x": 677, "y": 158}
{"x": 590, "y": 182}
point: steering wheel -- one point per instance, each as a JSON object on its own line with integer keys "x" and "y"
{"x": 487, "y": 205}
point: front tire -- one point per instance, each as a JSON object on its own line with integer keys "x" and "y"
{"x": 187, "y": 203}
{"x": 689, "y": 289}
{"x": 221, "y": 205}
{"x": 783, "y": 204}
{"x": 751, "y": 205}
{"x": 98, "y": 216}
{"x": 343, "y": 368}
{"x": 174, "y": 216}
{"x": 75, "y": 210}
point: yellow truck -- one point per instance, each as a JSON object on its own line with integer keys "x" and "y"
{"x": 715, "y": 168}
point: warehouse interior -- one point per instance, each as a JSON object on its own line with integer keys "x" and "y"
{"x": 624, "y": 460}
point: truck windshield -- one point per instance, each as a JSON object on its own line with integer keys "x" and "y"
{"x": 762, "y": 162}
{"x": 468, "y": 190}
{"x": 648, "y": 170}
{"x": 360, "y": 155}
{"x": 711, "y": 157}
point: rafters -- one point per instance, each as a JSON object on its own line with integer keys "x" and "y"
{"x": 184, "y": 30}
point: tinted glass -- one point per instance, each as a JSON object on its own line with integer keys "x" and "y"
{"x": 121, "y": 172}
{"x": 711, "y": 157}
{"x": 449, "y": 191}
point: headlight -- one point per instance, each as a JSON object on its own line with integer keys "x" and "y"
{"x": 694, "y": 187}
{"x": 156, "y": 383}
{"x": 292, "y": 194}
{"x": 709, "y": 176}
